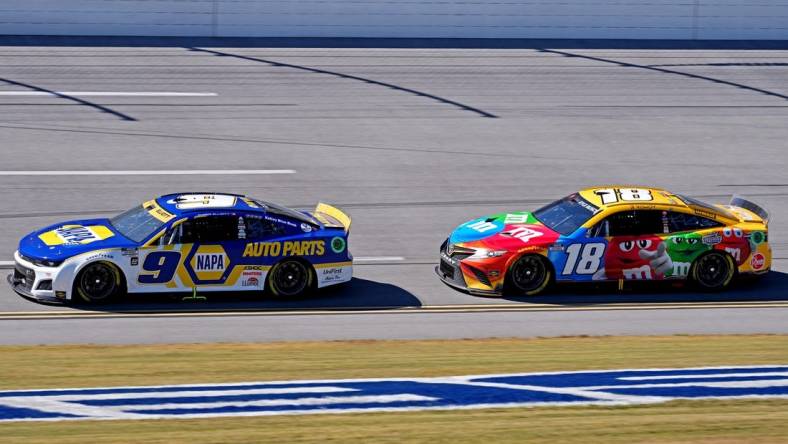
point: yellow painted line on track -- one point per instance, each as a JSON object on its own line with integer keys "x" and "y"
{"x": 486, "y": 308}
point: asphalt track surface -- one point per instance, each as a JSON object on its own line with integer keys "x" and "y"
{"x": 411, "y": 143}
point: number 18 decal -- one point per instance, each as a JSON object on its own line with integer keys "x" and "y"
{"x": 613, "y": 195}
{"x": 584, "y": 258}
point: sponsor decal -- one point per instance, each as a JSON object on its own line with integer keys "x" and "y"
{"x": 134, "y": 261}
{"x": 640, "y": 273}
{"x": 99, "y": 256}
{"x": 251, "y": 277}
{"x": 280, "y": 221}
{"x": 477, "y": 229}
{"x": 345, "y": 396}
{"x": 712, "y": 239}
{"x": 516, "y": 218}
{"x": 706, "y": 214}
{"x": 305, "y": 227}
{"x": 482, "y": 226}
{"x": 338, "y": 245}
{"x": 75, "y": 235}
{"x": 757, "y": 237}
{"x": 241, "y": 228}
{"x": 129, "y": 251}
{"x": 209, "y": 262}
{"x": 153, "y": 208}
{"x": 332, "y": 274}
{"x": 523, "y": 233}
{"x": 681, "y": 269}
{"x": 289, "y": 248}
{"x": 757, "y": 261}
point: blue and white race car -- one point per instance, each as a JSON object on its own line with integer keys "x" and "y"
{"x": 186, "y": 242}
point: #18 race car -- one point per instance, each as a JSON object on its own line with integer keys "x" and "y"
{"x": 612, "y": 233}
{"x": 183, "y": 243}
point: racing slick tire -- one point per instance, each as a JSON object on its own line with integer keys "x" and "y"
{"x": 529, "y": 275}
{"x": 713, "y": 271}
{"x": 98, "y": 282}
{"x": 290, "y": 278}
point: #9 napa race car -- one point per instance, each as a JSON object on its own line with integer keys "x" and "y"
{"x": 185, "y": 243}
{"x": 608, "y": 234}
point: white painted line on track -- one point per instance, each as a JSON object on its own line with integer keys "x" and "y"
{"x": 107, "y": 94}
{"x": 6, "y": 263}
{"x": 703, "y": 376}
{"x": 379, "y": 259}
{"x": 326, "y": 400}
{"x": 143, "y": 172}
{"x": 204, "y": 393}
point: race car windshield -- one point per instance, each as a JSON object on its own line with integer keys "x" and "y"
{"x": 136, "y": 224}
{"x": 566, "y": 215}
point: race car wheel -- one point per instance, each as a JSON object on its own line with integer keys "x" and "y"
{"x": 290, "y": 278}
{"x": 713, "y": 271}
{"x": 529, "y": 275}
{"x": 98, "y": 282}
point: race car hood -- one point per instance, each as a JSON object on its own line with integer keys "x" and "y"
{"x": 67, "y": 239}
{"x": 504, "y": 230}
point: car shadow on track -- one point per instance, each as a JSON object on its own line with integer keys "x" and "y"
{"x": 358, "y": 294}
{"x": 772, "y": 287}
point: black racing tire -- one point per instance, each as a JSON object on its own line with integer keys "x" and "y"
{"x": 529, "y": 275}
{"x": 98, "y": 283}
{"x": 713, "y": 271}
{"x": 290, "y": 279}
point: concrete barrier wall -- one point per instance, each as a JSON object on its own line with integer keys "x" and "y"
{"x": 593, "y": 19}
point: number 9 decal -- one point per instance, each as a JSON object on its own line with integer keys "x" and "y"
{"x": 161, "y": 266}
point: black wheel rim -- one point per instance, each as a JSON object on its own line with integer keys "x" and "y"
{"x": 97, "y": 282}
{"x": 290, "y": 278}
{"x": 528, "y": 273}
{"x": 712, "y": 270}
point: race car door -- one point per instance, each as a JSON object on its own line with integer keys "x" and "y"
{"x": 197, "y": 253}
{"x": 635, "y": 249}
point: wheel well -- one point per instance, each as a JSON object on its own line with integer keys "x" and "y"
{"x": 722, "y": 252}
{"x": 691, "y": 275}
{"x": 306, "y": 263}
{"x": 545, "y": 260}
{"x": 123, "y": 283}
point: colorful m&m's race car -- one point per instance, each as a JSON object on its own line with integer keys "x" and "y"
{"x": 611, "y": 233}
{"x": 185, "y": 243}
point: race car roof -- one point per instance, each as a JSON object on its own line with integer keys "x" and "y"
{"x": 178, "y": 204}
{"x": 614, "y": 195}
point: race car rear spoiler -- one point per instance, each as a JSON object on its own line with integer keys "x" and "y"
{"x": 741, "y": 202}
{"x": 332, "y": 217}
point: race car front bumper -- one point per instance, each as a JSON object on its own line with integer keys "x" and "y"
{"x": 451, "y": 274}
{"x": 35, "y": 281}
